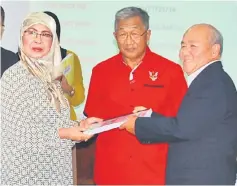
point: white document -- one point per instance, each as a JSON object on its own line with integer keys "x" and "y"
{"x": 114, "y": 123}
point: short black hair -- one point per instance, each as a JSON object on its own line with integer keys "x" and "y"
{"x": 58, "y": 26}
{"x": 2, "y": 16}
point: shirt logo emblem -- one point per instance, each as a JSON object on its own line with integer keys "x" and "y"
{"x": 153, "y": 75}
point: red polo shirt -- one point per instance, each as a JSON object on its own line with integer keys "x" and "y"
{"x": 115, "y": 90}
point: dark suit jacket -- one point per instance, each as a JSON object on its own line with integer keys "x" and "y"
{"x": 8, "y": 58}
{"x": 203, "y": 136}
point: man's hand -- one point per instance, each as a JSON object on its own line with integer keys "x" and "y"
{"x": 138, "y": 109}
{"x": 130, "y": 124}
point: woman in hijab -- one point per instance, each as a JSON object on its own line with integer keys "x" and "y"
{"x": 34, "y": 111}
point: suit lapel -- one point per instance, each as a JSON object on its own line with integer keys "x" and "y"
{"x": 205, "y": 75}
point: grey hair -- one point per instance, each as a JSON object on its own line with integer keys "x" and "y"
{"x": 216, "y": 36}
{"x": 129, "y": 12}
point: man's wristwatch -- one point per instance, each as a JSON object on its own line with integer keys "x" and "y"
{"x": 72, "y": 92}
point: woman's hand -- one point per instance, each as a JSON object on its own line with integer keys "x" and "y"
{"x": 66, "y": 87}
{"x": 85, "y": 123}
{"x": 75, "y": 133}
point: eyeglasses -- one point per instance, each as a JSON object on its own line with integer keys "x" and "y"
{"x": 34, "y": 34}
{"x": 135, "y": 35}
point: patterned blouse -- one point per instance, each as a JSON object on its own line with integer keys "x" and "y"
{"x": 31, "y": 151}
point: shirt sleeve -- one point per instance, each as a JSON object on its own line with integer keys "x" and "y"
{"x": 192, "y": 122}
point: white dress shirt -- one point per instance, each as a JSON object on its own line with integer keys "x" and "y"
{"x": 192, "y": 76}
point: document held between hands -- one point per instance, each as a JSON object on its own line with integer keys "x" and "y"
{"x": 114, "y": 123}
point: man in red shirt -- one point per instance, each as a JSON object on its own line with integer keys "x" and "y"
{"x": 134, "y": 77}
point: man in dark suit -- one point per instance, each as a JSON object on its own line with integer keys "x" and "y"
{"x": 203, "y": 135}
{"x": 8, "y": 58}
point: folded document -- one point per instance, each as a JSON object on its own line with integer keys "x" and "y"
{"x": 114, "y": 123}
